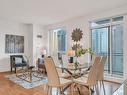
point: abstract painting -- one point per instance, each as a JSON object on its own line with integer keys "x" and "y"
{"x": 14, "y": 44}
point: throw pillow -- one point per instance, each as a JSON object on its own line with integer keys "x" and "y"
{"x": 18, "y": 60}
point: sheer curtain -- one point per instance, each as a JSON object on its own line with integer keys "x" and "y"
{"x": 53, "y": 43}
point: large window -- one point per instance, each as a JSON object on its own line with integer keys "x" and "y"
{"x": 107, "y": 39}
{"x": 57, "y": 41}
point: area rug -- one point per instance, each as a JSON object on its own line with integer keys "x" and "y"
{"x": 35, "y": 81}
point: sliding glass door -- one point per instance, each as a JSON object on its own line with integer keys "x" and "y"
{"x": 107, "y": 40}
{"x": 117, "y": 49}
{"x": 100, "y": 43}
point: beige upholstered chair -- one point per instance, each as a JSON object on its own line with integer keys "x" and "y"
{"x": 53, "y": 78}
{"x": 100, "y": 74}
{"x": 101, "y": 68}
{"x": 61, "y": 73}
{"x": 101, "y": 71}
{"x": 41, "y": 66}
{"x": 91, "y": 80}
{"x": 94, "y": 58}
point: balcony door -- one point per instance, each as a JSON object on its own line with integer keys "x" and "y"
{"x": 107, "y": 40}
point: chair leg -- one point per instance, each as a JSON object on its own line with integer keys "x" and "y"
{"x": 16, "y": 72}
{"x": 47, "y": 90}
{"x": 96, "y": 88}
{"x": 90, "y": 91}
{"x": 45, "y": 87}
{"x": 103, "y": 87}
{"x": 100, "y": 84}
{"x": 57, "y": 91}
{"x": 11, "y": 68}
{"x": 50, "y": 90}
{"x": 15, "y": 69}
{"x": 62, "y": 91}
{"x": 78, "y": 90}
{"x": 71, "y": 89}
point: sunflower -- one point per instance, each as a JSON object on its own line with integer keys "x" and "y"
{"x": 76, "y": 35}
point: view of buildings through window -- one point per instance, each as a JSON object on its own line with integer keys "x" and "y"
{"x": 57, "y": 41}
{"x": 107, "y": 40}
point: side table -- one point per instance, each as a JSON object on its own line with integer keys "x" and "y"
{"x": 29, "y": 74}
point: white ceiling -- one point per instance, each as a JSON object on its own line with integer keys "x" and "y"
{"x": 52, "y": 11}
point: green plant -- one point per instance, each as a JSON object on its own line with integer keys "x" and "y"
{"x": 82, "y": 51}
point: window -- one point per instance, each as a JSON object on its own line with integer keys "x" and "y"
{"x": 57, "y": 41}
{"x": 107, "y": 39}
{"x": 61, "y": 34}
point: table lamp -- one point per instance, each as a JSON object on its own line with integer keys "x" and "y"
{"x": 43, "y": 52}
{"x": 71, "y": 54}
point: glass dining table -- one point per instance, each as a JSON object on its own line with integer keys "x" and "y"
{"x": 74, "y": 72}
{"x": 70, "y": 68}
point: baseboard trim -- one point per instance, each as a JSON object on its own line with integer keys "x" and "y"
{"x": 114, "y": 79}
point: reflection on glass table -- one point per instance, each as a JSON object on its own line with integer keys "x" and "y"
{"x": 74, "y": 72}
{"x": 122, "y": 90}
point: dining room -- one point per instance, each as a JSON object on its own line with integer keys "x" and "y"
{"x": 69, "y": 47}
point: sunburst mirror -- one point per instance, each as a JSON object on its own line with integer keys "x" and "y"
{"x": 77, "y": 35}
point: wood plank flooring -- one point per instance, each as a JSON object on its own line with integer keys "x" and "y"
{"x": 8, "y": 87}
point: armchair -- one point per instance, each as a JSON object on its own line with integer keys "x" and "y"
{"x": 41, "y": 65}
{"x": 17, "y": 61}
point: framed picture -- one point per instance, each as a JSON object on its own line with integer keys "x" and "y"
{"x": 14, "y": 44}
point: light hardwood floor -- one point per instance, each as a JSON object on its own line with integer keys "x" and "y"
{"x": 7, "y": 87}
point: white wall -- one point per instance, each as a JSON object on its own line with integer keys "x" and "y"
{"x": 29, "y": 47}
{"x": 37, "y": 42}
{"x": 69, "y": 26}
{"x": 31, "y": 42}
{"x": 7, "y": 27}
{"x": 83, "y": 24}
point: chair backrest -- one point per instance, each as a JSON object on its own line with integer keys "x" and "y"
{"x": 12, "y": 59}
{"x": 41, "y": 60}
{"x": 40, "y": 64}
{"x": 55, "y": 59}
{"x": 93, "y": 58}
{"x": 53, "y": 78}
{"x": 92, "y": 77}
{"x": 101, "y": 68}
{"x": 103, "y": 60}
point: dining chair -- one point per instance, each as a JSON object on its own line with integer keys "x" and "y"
{"x": 91, "y": 80}
{"x": 101, "y": 72}
{"x": 41, "y": 65}
{"x": 61, "y": 72}
{"x": 53, "y": 78}
{"x": 93, "y": 61}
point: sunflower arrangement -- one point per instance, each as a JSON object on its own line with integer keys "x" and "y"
{"x": 76, "y": 46}
{"x": 76, "y": 37}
